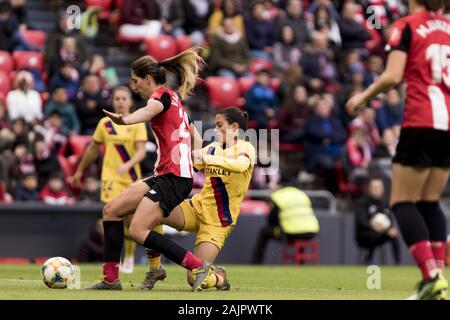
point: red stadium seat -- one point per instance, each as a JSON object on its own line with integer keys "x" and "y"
{"x": 34, "y": 37}
{"x": 258, "y": 64}
{"x": 12, "y": 260}
{"x": 6, "y": 62}
{"x": 183, "y": 42}
{"x": 346, "y": 187}
{"x": 161, "y": 47}
{"x": 28, "y": 60}
{"x": 255, "y": 207}
{"x": 104, "y": 5}
{"x": 301, "y": 251}
{"x": 275, "y": 83}
{"x": 246, "y": 83}
{"x": 78, "y": 144}
{"x": 5, "y": 83}
{"x": 66, "y": 166}
{"x": 224, "y": 92}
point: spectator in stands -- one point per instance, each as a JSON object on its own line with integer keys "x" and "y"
{"x": 354, "y": 35}
{"x": 324, "y": 139}
{"x": 18, "y": 164}
{"x": 386, "y": 149}
{"x": 295, "y": 19}
{"x": 4, "y": 122}
{"x": 59, "y": 102}
{"x": 90, "y": 190}
{"x": 315, "y": 5}
{"x": 323, "y": 22}
{"x": 140, "y": 18}
{"x": 20, "y": 12}
{"x": 290, "y": 78}
{"x": 89, "y": 103}
{"x": 24, "y": 101}
{"x": 197, "y": 13}
{"x": 10, "y": 37}
{"x": 50, "y": 131}
{"x": 293, "y": 114}
{"x": 366, "y": 122}
{"x": 286, "y": 51}
{"x": 67, "y": 77}
{"x": 370, "y": 234}
{"x": 67, "y": 53}
{"x": 54, "y": 38}
{"x": 54, "y": 191}
{"x": 44, "y": 161}
{"x": 260, "y": 31}
{"x": 28, "y": 190}
{"x": 375, "y": 67}
{"x": 91, "y": 247}
{"x": 227, "y": 9}
{"x": 357, "y": 156}
{"x": 291, "y": 218}
{"x": 172, "y": 17}
{"x": 391, "y": 112}
{"x": 229, "y": 51}
{"x": 261, "y": 101}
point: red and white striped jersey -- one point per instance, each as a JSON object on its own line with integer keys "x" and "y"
{"x": 425, "y": 37}
{"x": 171, "y": 131}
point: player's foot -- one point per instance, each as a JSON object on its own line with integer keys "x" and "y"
{"x": 104, "y": 285}
{"x": 127, "y": 265}
{"x": 200, "y": 274}
{"x": 433, "y": 289}
{"x": 151, "y": 277}
{"x": 223, "y": 273}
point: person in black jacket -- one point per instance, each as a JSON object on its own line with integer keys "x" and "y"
{"x": 353, "y": 34}
{"x": 371, "y": 231}
{"x": 27, "y": 191}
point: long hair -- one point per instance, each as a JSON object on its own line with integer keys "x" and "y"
{"x": 186, "y": 66}
{"x": 431, "y": 5}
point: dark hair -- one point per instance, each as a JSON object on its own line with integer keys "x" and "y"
{"x": 121, "y": 88}
{"x": 235, "y": 115}
{"x": 186, "y": 66}
{"x": 446, "y": 6}
{"x": 431, "y": 5}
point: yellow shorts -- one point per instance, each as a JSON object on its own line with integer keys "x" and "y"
{"x": 216, "y": 235}
{"x": 111, "y": 189}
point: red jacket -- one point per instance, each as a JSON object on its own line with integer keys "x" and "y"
{"x": 56, "y": 198}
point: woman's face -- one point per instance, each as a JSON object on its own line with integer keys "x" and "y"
{"x": 225, "y": 132}
{"x": 287, "y": 34}
{"x": 142, "y": 86}
{"x": 122, "y": 102}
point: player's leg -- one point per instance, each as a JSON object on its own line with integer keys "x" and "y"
{"x": 129, "y": 248}
{"x": 407, "y": 187}
{"x": 147, "y": 215}
{"x": 432, "y": 213}
{"x": 113, "y": 225}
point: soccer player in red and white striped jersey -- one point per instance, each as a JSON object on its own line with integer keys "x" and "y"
{"x": 419, "y": 53}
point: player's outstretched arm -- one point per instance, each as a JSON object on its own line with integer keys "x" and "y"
{"x": 392, "y": 76}
{"x": 153, "y": 108}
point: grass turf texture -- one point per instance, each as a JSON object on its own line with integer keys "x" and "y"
{"x": 248, "y": 282}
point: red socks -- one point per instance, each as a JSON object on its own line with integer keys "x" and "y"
{"x": 424, "y": 257}
{"x": 191, "y": 262}
{"x": 111, "y": 271}
{"x": 439, "y": 252}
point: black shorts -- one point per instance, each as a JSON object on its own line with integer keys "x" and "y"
{"x": 169, "y": 190}
{"x": 423, "y": 147}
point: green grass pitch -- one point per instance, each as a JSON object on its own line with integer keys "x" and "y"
{"x": 271, "y": 282}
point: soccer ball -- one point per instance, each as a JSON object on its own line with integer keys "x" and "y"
{"x": 57, "y": 272}
{"x": 382, "y": 221}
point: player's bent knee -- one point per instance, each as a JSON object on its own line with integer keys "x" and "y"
{"x": 108, "y": 212}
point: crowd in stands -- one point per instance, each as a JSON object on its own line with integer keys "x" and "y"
{"x": 295, "y": 64}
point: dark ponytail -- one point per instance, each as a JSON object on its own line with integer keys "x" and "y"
{"x": 431, "y": 5}
{"x": 235, "y": 115}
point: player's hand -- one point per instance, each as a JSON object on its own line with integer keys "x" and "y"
{"x": 123, "y": 169}
{"x": 355, "y": 103}
{"x": 115, "y": 117}
{"x": 75, "y": 180}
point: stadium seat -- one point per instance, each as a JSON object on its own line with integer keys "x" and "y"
{"x": 12, "y": 260}
{"x": 66, "y": 167}
{"x": 78, "y": 144}
{"x": 183, "y": 42}
{"x": 224, "y": 92}
{"x": 104, "y": 5}
{"x": 5, "y": 83}
{"x": 258, "y": 64}
{"x": 28, "y": 60}
{"x": 36, "y": 38}
{"x": 161, "y": 47}
{"x": 301, "y": 251}
{"x": 6, "y": 62}
{"x": 275, "y": 83}
{"x": 346, "y": 187}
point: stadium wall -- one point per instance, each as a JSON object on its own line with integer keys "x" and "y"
{"x": 31, "y": 230}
